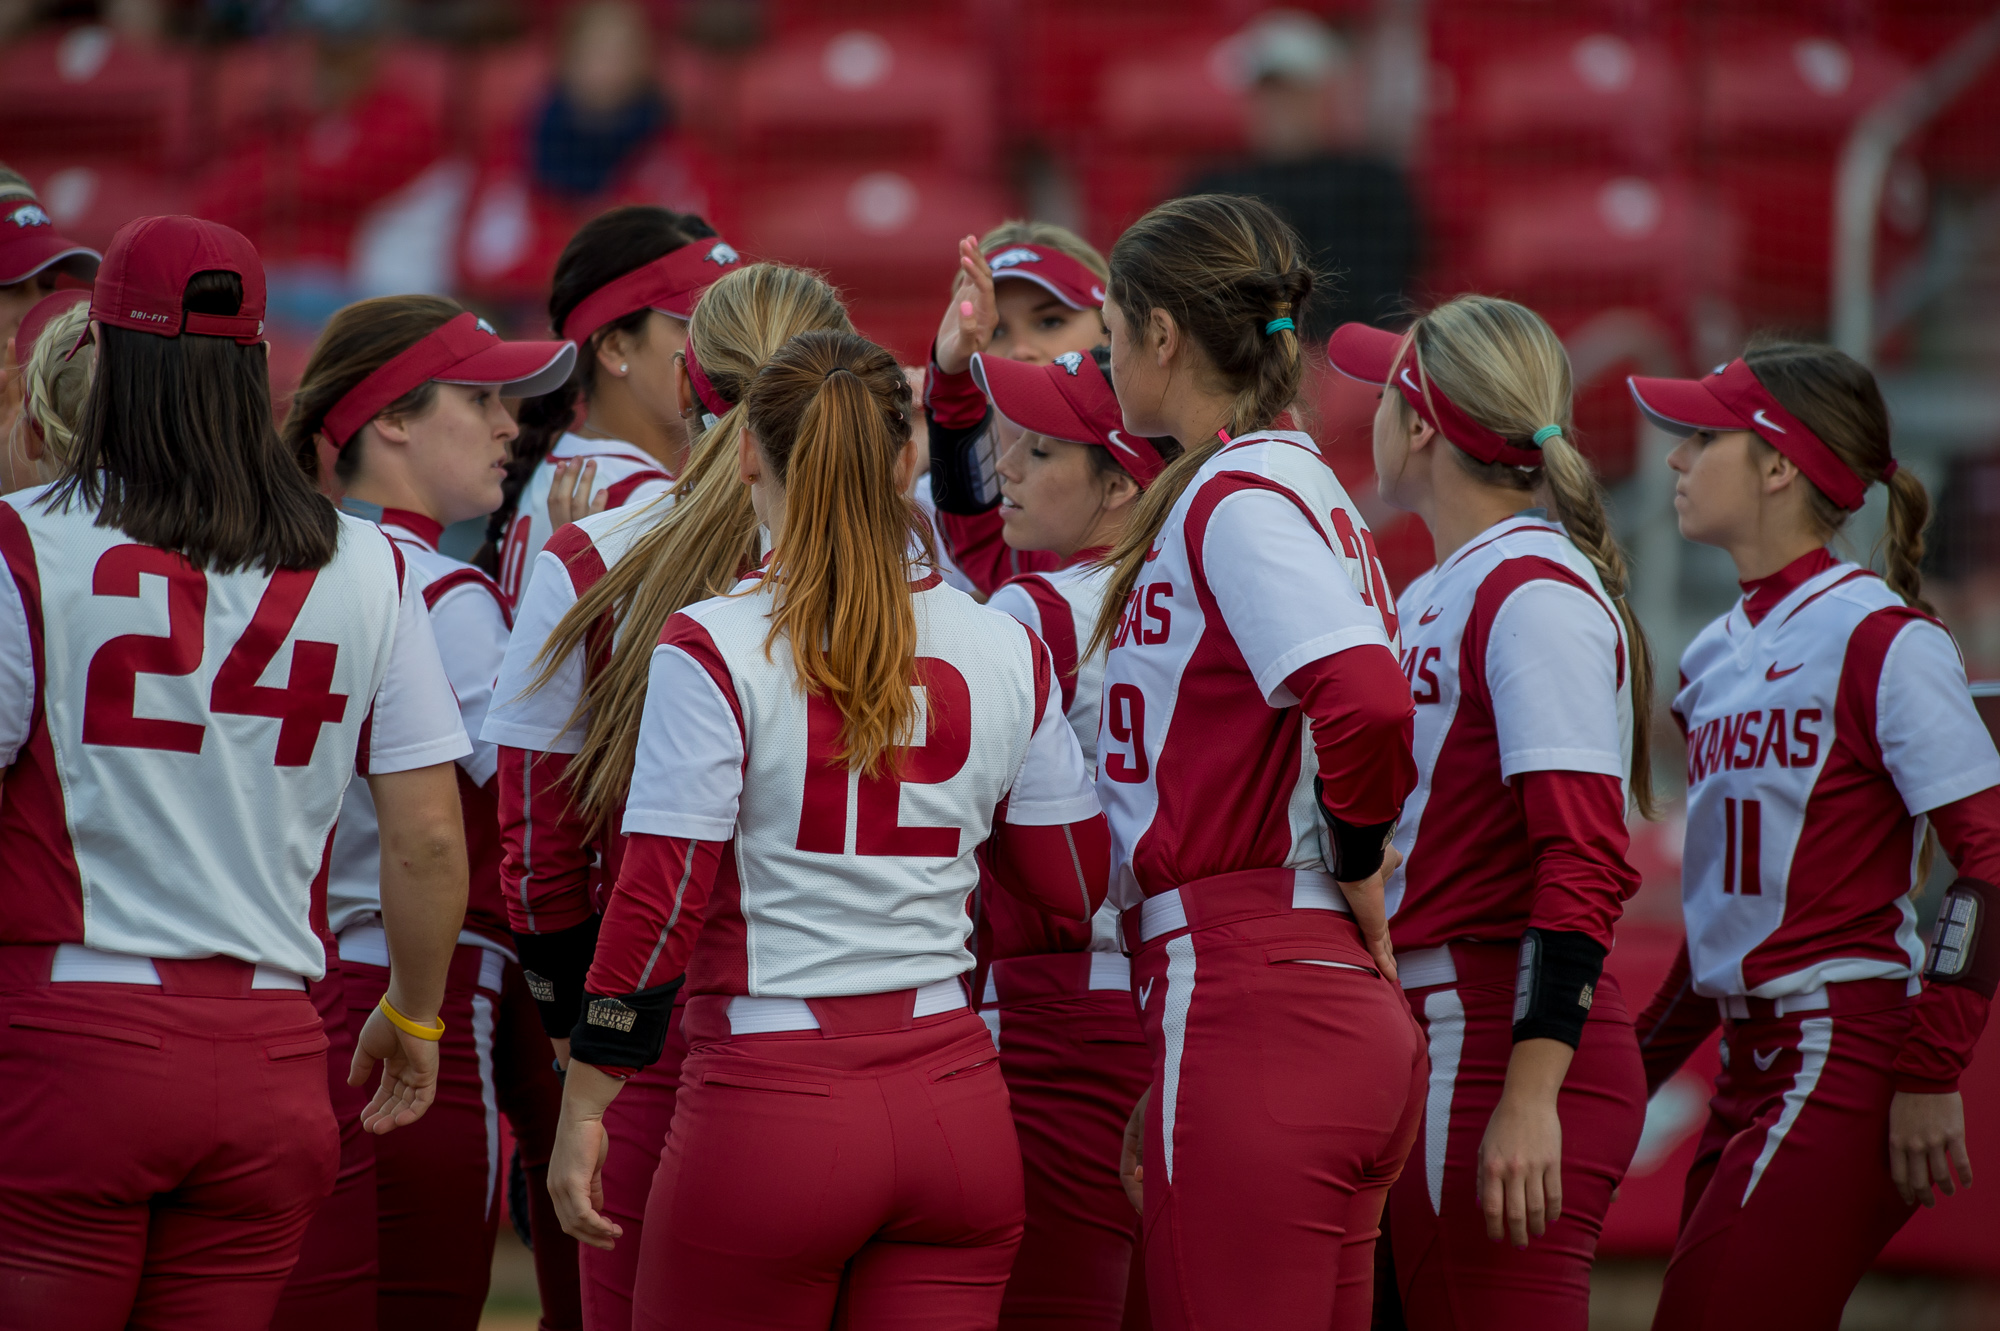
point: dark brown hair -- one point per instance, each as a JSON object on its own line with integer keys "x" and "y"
{"x": 1223, "y": 267}
{"x": 177, "y": 448}
{"x": 1838, "y": 400}
{"x": 358, "y": 341}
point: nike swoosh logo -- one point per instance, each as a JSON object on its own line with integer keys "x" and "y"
{"x": 1765, "y": 421}
{"x": 1118, "y": 441}
{"x": 1774, "y": 674}
{"x": 1411, "y": 382}
{"x": 1764, "y": 1060}
{"x": 1428, "y": 615}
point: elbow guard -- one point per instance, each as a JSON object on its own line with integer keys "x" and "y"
{"x": 1554, "y": 985}
{"x": 554, "y": 965}
{"x": 1357, "y": 850}
{"x": 1965, "y": 947}
{"x": 625, "y": 1030}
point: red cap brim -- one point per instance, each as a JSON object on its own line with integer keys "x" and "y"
{"x": 1362, "y": 352}
{"x": 1682, "y": 406}
{"x": 27, "y": 255}
{"x": 40, "y": 315}
{"x": 1026, "y": 395}
{"x": 518, "y": 369}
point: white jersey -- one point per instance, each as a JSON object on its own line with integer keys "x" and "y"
{"x": 633, "y": 476}
{"x": 1204, "y": 765}
{"x": 174, "y": 770}
{"x": 469, "y": 620}
{"x": 847, "y": 884}
{"x": 1818, "y": 738}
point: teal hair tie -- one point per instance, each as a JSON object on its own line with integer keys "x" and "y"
{"x": 1277, "y": 324}
{"x": 1546, "y": 433}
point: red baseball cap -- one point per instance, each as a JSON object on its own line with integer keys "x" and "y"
{"x": 1733, "y": 398}
{"x": 670, "y": 284}
{"x": 464, "y": 350}
{"x": 1377, "y": 356}
{"x": 29, "y": 243}
{"x": 40, "y": 315}
{"x": 1069, "y": 399}
{"x": 1051, "y": 270}
{"x": 146, "y": 271}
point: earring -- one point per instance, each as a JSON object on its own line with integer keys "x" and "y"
{"x": 622, "y": 369}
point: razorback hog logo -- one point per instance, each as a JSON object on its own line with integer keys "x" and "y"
{"x": 1013, "y": 258}
{"x": 722, "y": 255}
{"x": 27, "y": 215}
{"x": 1071, "y": 361}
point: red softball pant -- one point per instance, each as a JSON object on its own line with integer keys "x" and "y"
{"x": 1450, "y": 1275}
{"x": 162, "y": 1148}
{"x": 1288, "y": 1080}
{"x": 636, "y": 1124}
{"x": 862, "y": 1175}
{"x": 1075, "y": 1063}
{"x": 1790, "y": 1198}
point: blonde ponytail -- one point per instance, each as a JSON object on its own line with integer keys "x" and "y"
{"x": 54, "y": 388}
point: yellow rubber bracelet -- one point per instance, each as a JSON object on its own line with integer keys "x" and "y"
{"x": 408, "y": 1027}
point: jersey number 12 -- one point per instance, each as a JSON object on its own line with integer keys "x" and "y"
{"x": 878, "y": 826}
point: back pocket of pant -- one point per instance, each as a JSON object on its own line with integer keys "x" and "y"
{"x": 745, "y": 1082}
{"x": 62, "y": 1026}
{"x": 306, "y": 1047}
{"x": 1314, "y": 954}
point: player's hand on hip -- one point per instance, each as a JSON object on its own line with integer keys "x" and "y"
{"x": 974, "y": 314}
{"x": 576, "y": 1163}
{"x": 409, "y": 1074}
{"x": 1366, "y": 900}
{"x": 1131, "y": 1173}
{"x": 1927, "y": 1146}
{"x": 1520, "y": 1169}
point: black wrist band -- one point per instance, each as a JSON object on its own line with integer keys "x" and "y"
{"x": 1357, "y": 847}
{"x": 1965, "y": 944}
{"x": 1555, "y": 984}
{"x": 955, "y": 472}
{"x": 555, "y": 965}
{"x": 624, "y": 1030}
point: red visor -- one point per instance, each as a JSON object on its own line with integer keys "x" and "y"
{"x": 1375, "y": 356}
{"x": 146, "y": 271}
{"x": 29, "y": 243}
{"x": 670, "y": 284}
{"x": 464, "y": 351}
{"x": 1051, "y": 270}
{"x": 1067, "y": 399}
{"x": 1732, "y": 398}
{"x": 40, "y": 316}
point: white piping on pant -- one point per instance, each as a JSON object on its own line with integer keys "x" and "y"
{"x": 1173, "y": 1031}
{"x": 1445, "y": 1016}
{"x": 1815, "y": 1043}
{"x": 482, "y": 1047}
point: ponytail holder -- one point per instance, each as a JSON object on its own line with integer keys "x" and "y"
{"x": 1889, "y": 471}
{"x": 1277, "y": 325}
{"x": 1546, "y": 433}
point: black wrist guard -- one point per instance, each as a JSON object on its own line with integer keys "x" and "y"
{"x": 963, "y": 476}
{"x": 556, "y": 964}
{"x": 1553, "y": 988}
{"x": 1357, "y": 848}
{"x": 1965, "y": 947}
{"x": 625, "y": 1031}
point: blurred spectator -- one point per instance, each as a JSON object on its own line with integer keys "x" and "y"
{"x": 1351, "y": 205}
{"x": 606, "y": 106}
{"x": 300, "y": 182}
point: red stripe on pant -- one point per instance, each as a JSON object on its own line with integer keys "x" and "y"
{"x": 1789, "y": 1199}
{"x": 636, "y": 1125}
{"x": 1075, "y": 1063}
{"x": 1450, "y": 1275}
{"x": 166, "y": 1176}
{"x": 1288, "y": 1080}
{"x": 865, "y": 1172}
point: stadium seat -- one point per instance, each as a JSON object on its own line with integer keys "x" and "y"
{"x": 1772, "y": 87}
{"x": 503, "y": 87}
{"x": 89, "y": 199}
{"x": 1587, "y": 89}
{"x": 1184, "y": 96}
{"x": 881, "y": 231}
{"x": 85, "y": 91}
{"x": 1601, "y": 233}
{"x": 875, "y": 94}
{"x": 252, "y": 81}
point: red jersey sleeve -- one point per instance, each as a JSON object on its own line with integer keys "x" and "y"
{"x": 1950, "y": 1018}
{"x": 656, "y": 912}
{"x": 1674, "y": 1024}
{"x": 1576, "y": 824}
{"x": 546, "y": 844}
{"x": 1362, "y": 727}
{"x": 1061, "y": 869}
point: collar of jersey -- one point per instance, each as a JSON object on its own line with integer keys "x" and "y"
{"x": 574, "y": 445}
{"x": 1528, "y": 519}
{"x": 1763, "y": 595}
{"x": 417, "y": 525}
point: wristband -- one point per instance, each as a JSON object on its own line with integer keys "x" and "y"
{"x": 964, "y": 475}
{"x": 408, "y": 1027}
{"x": 1965, "y": 946}
{"x": 1555, "y": 984}
{"x": 554, "y": 965}
{"x": 1358, "y": 849}
{"x": 624, "y": 1030}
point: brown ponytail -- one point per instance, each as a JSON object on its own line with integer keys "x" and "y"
{"x": 831, "y": 414}
{"x": 1223, "y": 268}
{"x": 701, "y": 544}
{"x": 1838, "y": 400}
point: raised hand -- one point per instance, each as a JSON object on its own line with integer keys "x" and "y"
{"x": 968, "y": 325}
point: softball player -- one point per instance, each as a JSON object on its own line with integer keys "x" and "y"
{"x": 1252, "y": 755}
{"x": 624, "y": 288}
{"x": 405, "y": 392}
{"x": 1829, "y": 733}
{"x": 569, "y": 699}
{"x": 1532, "y": 684}
{"x": 201, "y": 654}
{"x": 52, "y": 390}
{"x": 842, "y": 1136}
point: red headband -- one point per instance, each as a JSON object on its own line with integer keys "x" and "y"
{"x": 1442, "y": 414}
{"x": 712, "y": 401}
{"x": 669, "y": 284}
{"x": 464, "y": 350}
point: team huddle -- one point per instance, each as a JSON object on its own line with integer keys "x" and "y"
{"x": 1014, "y": 865}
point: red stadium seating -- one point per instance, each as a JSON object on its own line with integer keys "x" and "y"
{"x": 90, "y": 200}
{"x": 1605, "y": 232}
{"x": 1570, "y": 88}
{"x": 1770, "y": 87}
{"x": 86, "y": 92}
{"x": 503, "y": 87}
{"x": 251, "y": 82}
{"x": 1184, "y": 96}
